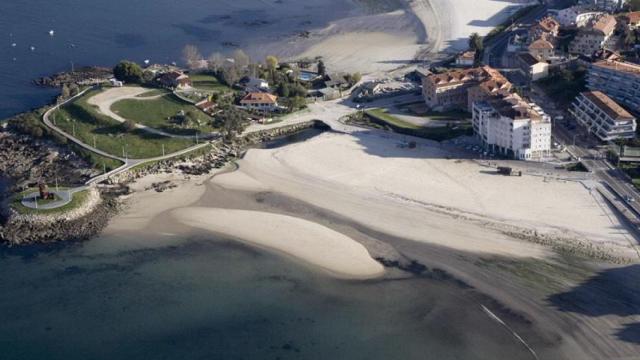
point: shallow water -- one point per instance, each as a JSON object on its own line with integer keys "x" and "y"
{"x": 104, "y": 32}
{"x": 155, "y": 298}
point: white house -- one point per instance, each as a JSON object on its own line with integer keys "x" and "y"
{"x": 260, "y": 101}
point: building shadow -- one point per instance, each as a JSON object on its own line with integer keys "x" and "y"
{"x": 610, "y": 292}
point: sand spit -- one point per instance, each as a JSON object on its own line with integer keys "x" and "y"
{"x": 301, "y": 239}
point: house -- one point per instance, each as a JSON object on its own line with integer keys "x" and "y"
{"x": 466, "y": 59}
{"x": 546, "y": 28}
{"x": 336, "y": 81}
{"x": 619, "y": 80}
{"x": 207, "y": 106}
{"x": 253, "y": 84}
{"x": 174, "y": 80}
{"x": 531, "y": 67}
{"x": 542, "y": 49}
{"x": 603, "y": 116}
{"x": 576, "y": 16}
{"x": 594, "y": 36}
{"x": 512, "y": 127}
{"x": 116, "y": 83}
{"x": 260, "y": 101}
{"x": 633, "y": 20}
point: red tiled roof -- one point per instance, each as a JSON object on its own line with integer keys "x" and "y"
{"x": 259, "y": 98}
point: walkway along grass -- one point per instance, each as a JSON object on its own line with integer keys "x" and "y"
{"x": 86, "y": 123}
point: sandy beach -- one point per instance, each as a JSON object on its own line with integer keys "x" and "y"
{"x": 372, "y": 43}
{"x": 312, "y": 243}
{"x": 336, "y": 201}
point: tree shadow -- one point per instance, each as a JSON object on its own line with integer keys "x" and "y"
{"x": 610, "y": 292}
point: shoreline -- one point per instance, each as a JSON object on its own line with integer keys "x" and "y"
{"x": 510, "y": 299}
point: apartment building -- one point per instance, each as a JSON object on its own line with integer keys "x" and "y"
{"x": 605, "y": 5}
{"x": 603, "y": 116}
{"x": 511, "y": 126}
{"x": 617, "y": 79}
{"x": 594, "y": 36}
{"x": 457, "y": 89}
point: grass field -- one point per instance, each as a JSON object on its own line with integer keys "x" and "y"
{"x": 88, "y": 125}
{"x": 385, "y": 120}
{"x": 77, "y": 199}
{"x": 156, "y": 113}
{"x": 207, "y": 82}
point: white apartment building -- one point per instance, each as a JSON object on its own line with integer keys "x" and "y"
{"x": 605, "y": 5}
{"x": 512, "y": 127}
{"x": 603, "y": 116}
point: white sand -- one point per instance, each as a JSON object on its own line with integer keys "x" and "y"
{"x": 303, "y": 240}
{"x": 364, "y": 51}
{"x": 382, "y": 42}
{"x": 417, "y": 194}
{"x": 146, "y": 203}
{"x": 459, "y": 18}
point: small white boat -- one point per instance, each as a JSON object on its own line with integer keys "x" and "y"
{"x": 51, "y": 32}
{"x": 32, "y": 48}
{"x": 14, "y": 45}
{"x": 146, "y": 62}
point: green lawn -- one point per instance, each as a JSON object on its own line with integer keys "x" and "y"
{"x": 153, "y": 92}
{"x": 108, "y": 133}
{"x": 382, "y": 118}
{"x": 77, "y": 199}
{"x": 207, "y": 82}
{"x": 156, "y": 113}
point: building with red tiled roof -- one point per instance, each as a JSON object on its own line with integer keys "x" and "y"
{"x": 603, "y": 116}
{"x": 542, "y": 49}
{"x": 260, "y": 101}
{"x": 594, "y": 36}
{"x": 174, "y": 79}
{"x": 457, "y": 89}
{"x": 618, "y": 79}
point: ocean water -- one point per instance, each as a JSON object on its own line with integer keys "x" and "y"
{"x": 93, "y": 32}
{"x": 131, "y": 297}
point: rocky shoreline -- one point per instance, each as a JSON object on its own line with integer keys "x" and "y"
{"x": 26, "y": 160}
{"x": 89, "y": 74}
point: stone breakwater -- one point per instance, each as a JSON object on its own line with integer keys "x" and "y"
{"x": 78, "y": 224}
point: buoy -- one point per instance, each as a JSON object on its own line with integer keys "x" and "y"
{"x": 51, "y": 32}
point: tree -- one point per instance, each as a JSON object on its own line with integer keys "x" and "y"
{"x": 191, "y": 56}
{"x": 272, "y": 64}
{"x": 74, "y": 89}
{"x": 215, "y": 61}
{"x": 65, "y": 92}
{"x": 283, "y": 90}
{"x": 475, "y": 42}
{"x": 128, "y": 71}
{"x": 148, "y": 76}
{"x": 322, "y": 69}
{"x": 230, "y": 74}
{"x": 128, "y": 126}
{"x": 353, "y": 78}
{"x": 241, "y": 59}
